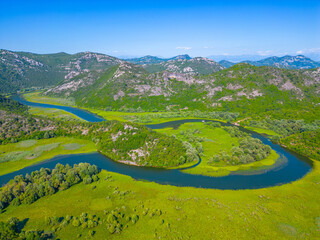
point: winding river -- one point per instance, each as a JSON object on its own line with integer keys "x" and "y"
{"x": 292, "y": 168}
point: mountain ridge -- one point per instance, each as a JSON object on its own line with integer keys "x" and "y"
{"x": 286, "y": 62}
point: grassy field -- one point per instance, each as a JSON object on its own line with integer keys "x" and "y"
{"x": 263, "y": 131}
{"x": 36, "y": 97}
{"x": 53, "y": 113}
{"x": 291, "y": 211}
{"x": 216, "y": 139}
{"x": 16, "y": 156}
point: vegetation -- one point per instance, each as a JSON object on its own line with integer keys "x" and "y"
{"x": 81, "y": 202}
{"x": 306, "y": 143}
{"x": 28, "y": 189}
{"x": 243, "y": 88}
{"x": 285, "y": 127}
{"x": 36, "y": 97}
{"x": 9, "y": 105}
{"x": 53, "y": 113}
{"x": 249, "y": 150}
{"x": 170, "y": 116}
{"x": 209, "y": 139}
{"x": 126, "y": 142}
{"x": 289, "y": 211}
{"x": 15, "y": 156}
{"x": 10, "y": 230}
{"x": 20, "y": 71}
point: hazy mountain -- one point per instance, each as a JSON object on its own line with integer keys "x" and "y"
{"x": 196, "y": 65}
{"x": 153, "y": 60}
{"x": 237, "y": 58}
{"x": 288, "y": 62}
{"x": 226, "y": 63}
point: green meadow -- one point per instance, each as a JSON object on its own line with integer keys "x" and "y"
{"x": 15, "y": 156}
{"x": 216, "y": 140}
{"x": 290, "y": 211}
{"x": 36, "y": 97}
{"x": 53, "y": 113}
{"x": 263, "y": 131}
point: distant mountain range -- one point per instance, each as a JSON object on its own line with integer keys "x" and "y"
{"x": 160, "y": 64}
{"x": 178, "y": 64}
{"x": 153, "y": 60}
{"x": 70, "y": 72}
{"x": 287, "y": 62}
{"x": 193, "y": 66}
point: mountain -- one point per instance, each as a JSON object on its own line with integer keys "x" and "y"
{"x": 153, "y": 60}
{"x": 226, "y": 63}
{"x": 146, "y": 60}
{"x": 20, "y": 70}
{"x": 181, "y": 64}
{"x": 237, "y": 58}
{"x": 184, "y": 57}
{"x": 129, "y": 87}
{"x": 288, "y": 62}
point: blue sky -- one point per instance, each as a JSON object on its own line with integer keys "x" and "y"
{"x": 162, "y": 28}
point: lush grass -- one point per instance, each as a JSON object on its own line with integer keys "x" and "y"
{"x": 36, "y": 97}
{"x": 216, "y": 140}
{"x": 153, "y": 117}
{"x": 263, "y": 131}
{"x": 290, "y": 211}
{"x": 217, "y": 171}
{"x": 53, "y": 113}
{"x": 16, "y": 156}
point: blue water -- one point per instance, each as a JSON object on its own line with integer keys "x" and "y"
{"x": 85, "y": 115}
{"x": 292, "y": 167}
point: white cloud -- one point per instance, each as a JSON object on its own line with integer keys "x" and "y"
{"x": 115, "y": 51}
{"x": 184, "y": 48}
{"x": 311, "y": 50}
{"x": 264, "y": 53}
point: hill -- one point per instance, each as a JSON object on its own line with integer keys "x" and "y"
{"x": 196, "y": 65}
{"x": 226, "y": 63}
{"x": 243, "y": 87}
{"x": 20, "y": 70}
{"x": 125, "y": 142}
{"x": 288, "y": 62}
{"x": 153, "y": 60}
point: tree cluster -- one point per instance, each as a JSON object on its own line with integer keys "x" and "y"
{"x": 249, "y": 150}
{"x": 26, "y": 190}
{"x": 286, "y": 127}
{"x": 10, "y": 230}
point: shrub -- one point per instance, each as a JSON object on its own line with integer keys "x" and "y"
{"x": 134, "y": 219}
{"x": 87, "y": 180}
{"x": 76, "y": 222}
